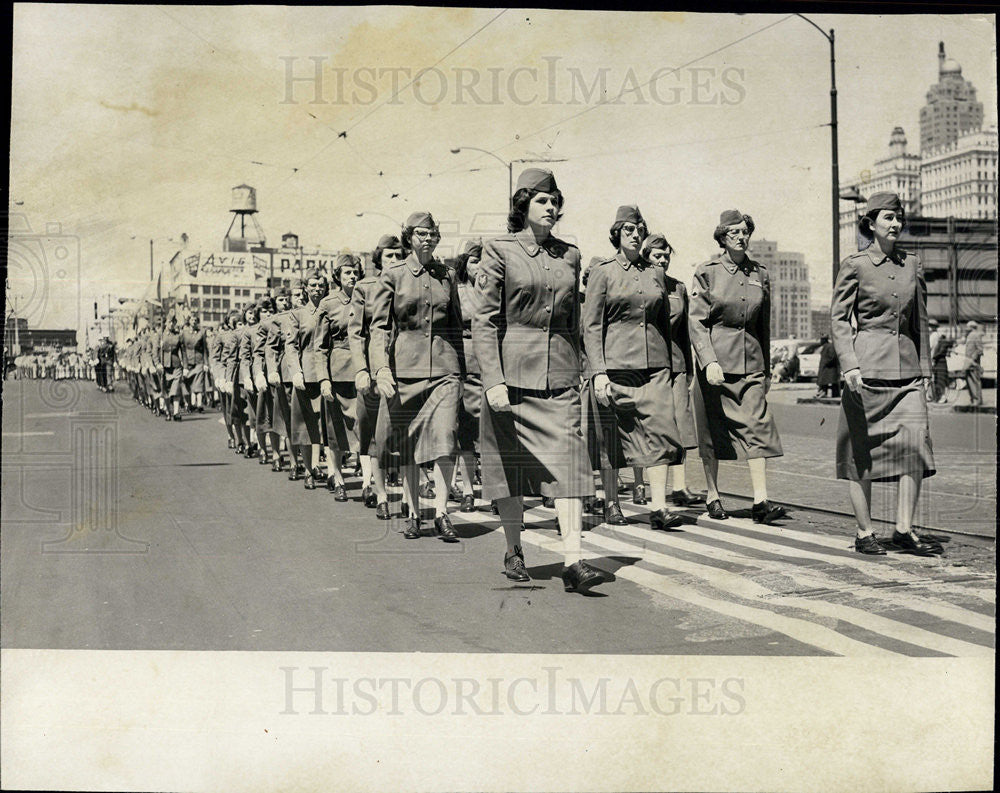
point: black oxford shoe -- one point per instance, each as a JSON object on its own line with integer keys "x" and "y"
{"x": 613, "y": 515}
{"x": 766, "y": 512}
{"x": 444, "y": 529}
{"x": 869, "y": 544}
{"x": 513, "y": 565}
{"x": 382, "y": 511}
{"x": 309, "y": 483}
{"x": 685, "y": 498}
{"x": 339, "y": 493}
{"x": 716, "y": 511}
{"x": 661, "y": 520}
{"x": 639, "y": 495}
{"x": 911, "y": 543}
{"x": 593, "y": 505}
{"x": 581, "y": 577}
{"x": 368, "y": 498}
{"x": 412, "y": 530}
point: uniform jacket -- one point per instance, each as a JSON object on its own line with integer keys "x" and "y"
{"x": 680, "y": 333}
{"x": 730, "y": 315}
{"x": 215, "y": 356}
{"x": 527, "y": 328}
{"x": 229, "y": 353}
{"x": 258, "y": 337}
{"x": 359, "y": 328}
{"x": 885, "y": 297}
{"x": 243, "y": 356}
{"x": 274, "y": 347}
{"x": 171, "y": 352}
{"x": 468, "y": 300}
{"x": 416, "y": 326}
{"x": 331, "y": 345}
{"x": 626, "y": 316}
{"x": 195, "y": 346}
{"x": 299, "y": 329}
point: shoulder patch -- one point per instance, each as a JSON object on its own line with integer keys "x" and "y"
{"x": 482, "y": 280}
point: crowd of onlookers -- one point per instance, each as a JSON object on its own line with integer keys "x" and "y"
{"x": 51, "y": 365}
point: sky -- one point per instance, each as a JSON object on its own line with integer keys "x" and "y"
{"x": 133, "y": 123}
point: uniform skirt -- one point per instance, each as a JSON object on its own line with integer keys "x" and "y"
{"x": 265, "y": 411}
{"x": 468, "y": 412}
{"x": 639, "y": 429}
{"x": 281, "y": 416}
{"x": 197, "y": 381}
{"x": 173, "y": 381}
{"x": 733, "y": 420}
{"x": 340, "y": 418}
{"x": 369, "y": 406}
{"x": 883, "y": 432}
{"x": 152, "y": 380}
{"x": 683, "y": 414}
{"x": 538, "y": 448}
{"x": 419, "y": 422}
{"x": 249, "y": 405}
{"x": 305, "y": 416}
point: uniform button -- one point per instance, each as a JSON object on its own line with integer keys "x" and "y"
{"x": 635, "y": 278}
{"x": 892, "y": 277}
{"x": 892, "y": 332}
{"x": 427, "y": 286}
{"x": 742, "y": 298}
{"x": 894, "y": 294}
{"x": 548, "y": 308}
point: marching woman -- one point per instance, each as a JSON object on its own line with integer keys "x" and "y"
{"x": 418, "y": 358}
{"x": 216, "y": 347}
{"x": 300, "y": 328}
{"x": 264, "y": 415}
{"x": 466, "y": 270}
{"x": 172, "y": 360}
{"x": 274, "y": 353}
{"x": 729, "y": 320}
{"x": 196, "y": 354}
{"x": 229, "y": 356}
{"x": 150, "y": 348}
{"x": 883, "y": 434}
{"x": 244, "y": 375}
{"x": 527, "y": 339}
{"x": 657, "y": 251}
{"x": 626, "y": 321}
{"x": 335, "y": 368}
{"x": 388, "y": 252}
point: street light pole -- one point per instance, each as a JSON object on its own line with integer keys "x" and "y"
{"x": 508, "y": 165}
{"x": 834, "y": 158}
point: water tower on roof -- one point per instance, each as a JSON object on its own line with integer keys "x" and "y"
{"x": 243, "y": 205}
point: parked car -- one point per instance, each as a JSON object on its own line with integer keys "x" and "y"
{"x": 808, "y": 352}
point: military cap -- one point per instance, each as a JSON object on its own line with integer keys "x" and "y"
{"x": 420, "y": 220}
{"x": 538, "y": 179}
{"x": 629, "y": 214}
{"x": 880, "y": 201}
{"x": 473, "y": 248}
{"x": 346, "y": 260}
{"x": 282, "y": 291}
{"x": 388, "y": 241}
{"x": 731, "y": 217}
{"x": 654, "y": 240}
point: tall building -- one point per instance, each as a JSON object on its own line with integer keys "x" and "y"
{"x": 951, "y": 108}
{"x": 790, "y": 290}
{"x": 959, "y": 179}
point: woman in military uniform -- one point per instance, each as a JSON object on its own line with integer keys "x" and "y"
{"x": 466, "y": 270}
{"x": 370, "y": 403}
{"x": 526, "y": 333}
{"x": 229, "y": 358}
{"x": 215, "y": 348}
{"x": 244, "y": 375}
{"x": 335, "y": 369}
{"x": 274, "y": 353}
{"x": 657, "y": 251}
{"x": 883, "y": 434}
{"x": 419, "y": 361}
{"x": 300, "y": 328}
{"x": 196, "y": 355}
{"x": 264, "y": 415}
{"x": 730, "y": 315}
{"x": 172, "y": 360}
{"x": 626, "y": 320}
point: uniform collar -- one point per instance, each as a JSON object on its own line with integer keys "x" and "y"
{"x": 527, "y": 241}
{"x": 622, "y": 260}
{"x": 726, "y": 261}
{"x": 341, "y": 295}
{"x": 877, "y": 257}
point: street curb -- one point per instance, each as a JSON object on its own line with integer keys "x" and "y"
{"x": 985, "y": 409}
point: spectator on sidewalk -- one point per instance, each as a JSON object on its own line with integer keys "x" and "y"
{"x": 973, "y": 369}
{"x": 828, "y": 371}
{"x": 941, "y": 345}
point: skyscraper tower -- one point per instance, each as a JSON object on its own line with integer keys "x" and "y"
{"x": 951, "y": 107}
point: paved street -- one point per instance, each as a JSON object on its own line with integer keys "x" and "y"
{"x": 121, "y": 531}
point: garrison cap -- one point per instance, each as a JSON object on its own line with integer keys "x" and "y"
{"x": 654, "y": 240}
{"x": 731, "y": 217}
{"x": 283, "y": 291}
{"x": 346, "y": 260}
{"x": 472, "y": 248}
{"x": 880, "y": 201}
{"x": 420, "y": 220}
{"x": 538, "y": 179}
{"x": 388, "y": 241}
{"x": 629, "y": 213}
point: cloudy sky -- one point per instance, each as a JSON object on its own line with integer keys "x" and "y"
{"x": 130, "y": 123}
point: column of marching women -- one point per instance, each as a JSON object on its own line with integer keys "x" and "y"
{"x": 521, "y": 372}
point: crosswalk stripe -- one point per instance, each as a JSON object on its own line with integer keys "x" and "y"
{"x": 807, "y": 575}
{"x": 732, "y": 584}
{"x": 801, "y": 630}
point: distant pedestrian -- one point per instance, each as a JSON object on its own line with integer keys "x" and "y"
{"x": 941, "y": 346}
{"x": 973, "y": 369}
{"x": 828, "y": 372}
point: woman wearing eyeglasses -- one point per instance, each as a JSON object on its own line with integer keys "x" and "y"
{"x": 527, "y": 338}
{"x": 627, "y": 335}
{"x": 419, "y": 361}
{"x": 657, "y": 251}
{"x": 883, "y": 435}
{"x": 729, "y": 320}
